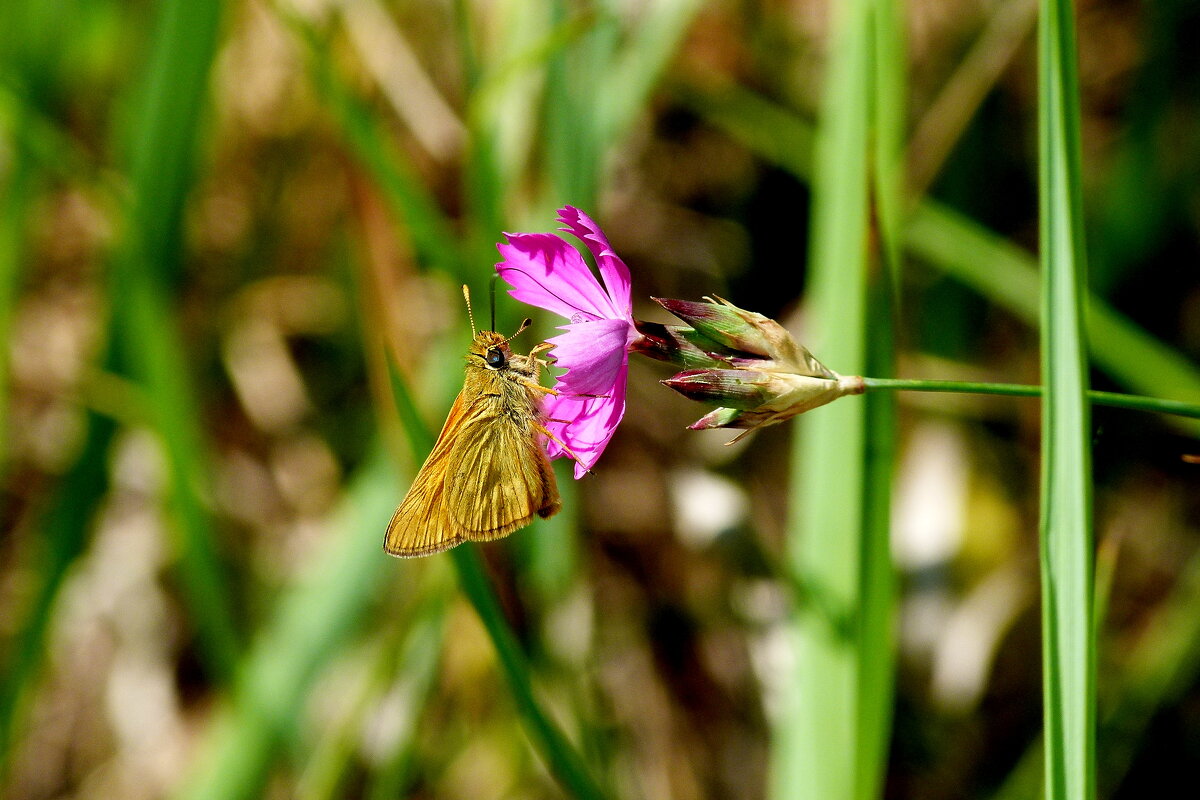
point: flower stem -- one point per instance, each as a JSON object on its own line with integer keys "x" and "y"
{"x": 1115, "y": 399}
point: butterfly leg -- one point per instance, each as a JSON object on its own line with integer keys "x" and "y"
{"x": 539, "y": 363}
{"x": 538, "y": 387}
{"x": 542, "y": 429}
{"x": 538, "y": 350}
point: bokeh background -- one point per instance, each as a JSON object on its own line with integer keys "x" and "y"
{"x": 231, "y": 241}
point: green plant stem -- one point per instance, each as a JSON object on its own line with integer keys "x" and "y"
{"x": 1114, "y": 399}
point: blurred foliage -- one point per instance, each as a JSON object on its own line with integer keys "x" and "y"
{"x": 231, "y": 240}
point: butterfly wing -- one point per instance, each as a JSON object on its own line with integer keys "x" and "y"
{"x": 486, "y": 476}
{"x": 499, "y": 475}
{"x": 421, "y": 524}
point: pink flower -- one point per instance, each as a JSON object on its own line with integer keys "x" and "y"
{"x": 546, "y": 271}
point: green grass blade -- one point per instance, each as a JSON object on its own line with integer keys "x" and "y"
{"x": 507, "y": 99}
{"x": 775, "y": 133}
{"x": 639, "y": 65}
{"x": 876, "y": 652}
{"x": 981, "y": 67}
{"x": 148, "y": 337}
{"x": 1162, "y": 667}
{"x": 164, "y": 126}
{"x": 1006, "y": 273}
{"x": 418, "y": 664}
{"x": 15, "y": 191}
{"x": 162, "y": 140}
{"x": 816, "y": 742}
{"x": 45, "y": 146}
{"x": 483, "y": 185}
{"x": 37, "y": 148}
{"x": 570, "y": 134}
{"x": 595, "y": 90}
{"x": 1141, "y": 197}
{"x": 1068, "y": 638}
{"x": 433, "y": 235}
{"x": 560, "y": 756}
{"x": 404, "y": 656}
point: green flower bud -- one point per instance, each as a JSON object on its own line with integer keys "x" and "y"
{"x": 736, "y": 388}
{"x": 746, "y": 364}
{"x": 722, "y": 323}
{"x": 755, "y": 338}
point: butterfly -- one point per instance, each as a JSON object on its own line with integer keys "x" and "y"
{"x": 488, "y": 473}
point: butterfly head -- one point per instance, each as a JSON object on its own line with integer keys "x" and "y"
{"x": 490, "y": 350}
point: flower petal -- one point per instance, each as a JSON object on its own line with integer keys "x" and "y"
{"x": 545, "y": 271}
{"x": 591, "y": 423}
{"x": 612, "y": 268}
{"x": 593, "y": 352}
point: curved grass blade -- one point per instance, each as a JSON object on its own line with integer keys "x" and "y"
{"x": 639, "y": 64}
{"x": 306, "y": 630}
{"x": 403, "y": 660}
{"x": 1004, "y": 272}
{"x": 15, "y": 190}
{"x": 64, "y": 527}
{"x": 432, "y": 234}
{"x": 418, "y": 661}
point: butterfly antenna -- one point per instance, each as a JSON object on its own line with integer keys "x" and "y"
{"x": 470, "y": 316}
{"x": 525, "y": 323}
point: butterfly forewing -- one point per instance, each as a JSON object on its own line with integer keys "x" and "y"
{"x": 421, "y": 525}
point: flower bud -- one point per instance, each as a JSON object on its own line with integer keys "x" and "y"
{"x": 723, "y": 323}
{"x": 735, "y": 388}
{"x": 767, "y": 343}
{"x": 717, "y": 418}
{"x": 743, "y": 362}
{"x": 751, "y": 399}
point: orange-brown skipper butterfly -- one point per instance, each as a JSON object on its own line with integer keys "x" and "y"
{"x": 488, "y": 474}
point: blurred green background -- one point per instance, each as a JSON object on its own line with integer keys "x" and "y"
{"x": 231, "y": 240}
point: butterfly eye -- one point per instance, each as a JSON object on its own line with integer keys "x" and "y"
{"x": 495, "y": 359}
